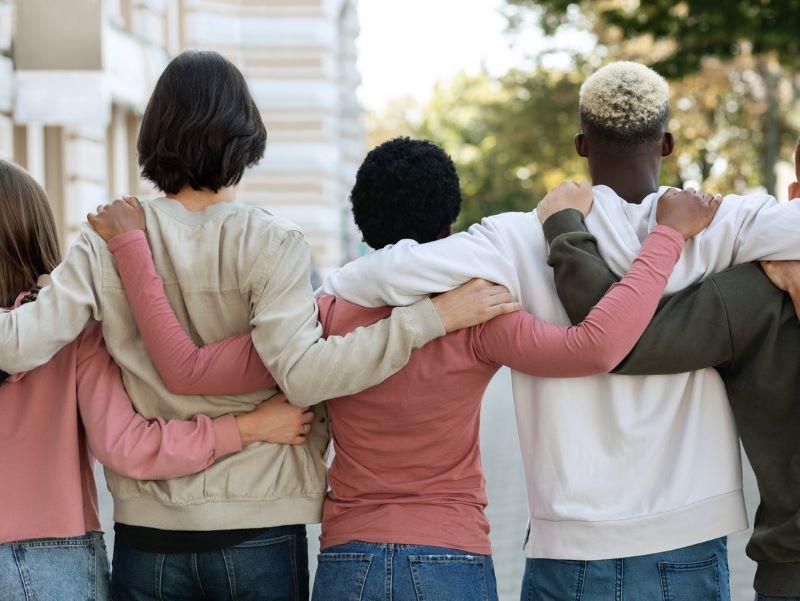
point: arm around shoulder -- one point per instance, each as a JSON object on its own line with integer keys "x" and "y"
{"x": 287, "y": 334}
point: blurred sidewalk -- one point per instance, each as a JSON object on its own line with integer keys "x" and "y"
{"x": 507, "y": 504}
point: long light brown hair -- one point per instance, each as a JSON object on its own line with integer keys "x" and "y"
{"x": 28, "y": 235}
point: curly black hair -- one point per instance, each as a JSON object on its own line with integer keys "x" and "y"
{"x": 405, "y": 189}
{"x": 201, "y": 127}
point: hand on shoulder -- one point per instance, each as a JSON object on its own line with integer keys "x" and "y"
{"x": 123, "y": 215}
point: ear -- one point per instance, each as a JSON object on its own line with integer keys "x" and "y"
{"x": 667, "y": 144}
{"x": 794, "y": 190}
{"x": 581, "y": 146}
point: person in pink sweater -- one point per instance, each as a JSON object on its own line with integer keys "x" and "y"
{"x": 55, "y": 419}
{"x": 404, "y": 518}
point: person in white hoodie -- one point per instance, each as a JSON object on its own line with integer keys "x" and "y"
{"x": 633, "y": 482}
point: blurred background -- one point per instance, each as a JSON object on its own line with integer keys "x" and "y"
{"x": 493, "y": 81}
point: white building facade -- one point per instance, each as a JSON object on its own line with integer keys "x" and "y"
{"x": 75, "y": 76}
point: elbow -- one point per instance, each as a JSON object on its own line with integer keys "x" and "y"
{"x": 606, "y": 364}
{"x": 176, "y": 385}
{"x": 299, "y": 395}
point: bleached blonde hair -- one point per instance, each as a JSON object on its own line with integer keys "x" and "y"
{"x": 625, "y": 102}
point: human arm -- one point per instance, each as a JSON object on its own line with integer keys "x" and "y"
{"x": 755, "y": 227}
{"x": 131, "y": 445}
{"x": 157, "y": 449}
{"x": 689, "y": 331}
{"x": 231, "y": 366}
{"x": 609, "y": 331}
{"x": 33, "y": 333}
{"x": 283, "y": 284}
{"x": 402, "y": 274}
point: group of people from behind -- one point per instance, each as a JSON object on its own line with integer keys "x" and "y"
{"x": 181, "y": 344}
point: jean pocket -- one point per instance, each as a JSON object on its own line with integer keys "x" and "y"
{"x": 449, "y": 577}
{"x": 341, "y": 576}
{"x": 53, "y": 569}
{"x": 281, "y": 561}
{"x": 697, "y": 581}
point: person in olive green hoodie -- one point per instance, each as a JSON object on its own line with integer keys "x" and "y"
{"x": 746, "y": 327}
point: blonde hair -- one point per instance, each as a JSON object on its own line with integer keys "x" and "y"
{"x": 28, "y": 235}
{"x": 625, "y": 100}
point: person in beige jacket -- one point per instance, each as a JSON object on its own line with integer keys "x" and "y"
{"x": 237, "y": 529}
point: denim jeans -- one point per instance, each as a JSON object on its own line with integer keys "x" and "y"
{"x": 55, "y": 569}
{"x": 696, "y": 573}
{"x": 359, "y": 571}
{"x": 270, "y": 567}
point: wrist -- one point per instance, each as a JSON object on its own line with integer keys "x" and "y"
{"x": 245, "y": 430}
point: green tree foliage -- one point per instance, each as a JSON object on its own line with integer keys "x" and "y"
{"x": 511, "y": 138}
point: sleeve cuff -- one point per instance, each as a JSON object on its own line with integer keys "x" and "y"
{"x": 226, "y": 432}
{"x": 563, "y": 222}
{"x": 672, "y": 234}
{"x": 424, "y": 321}
{"x": 123, "y": 240}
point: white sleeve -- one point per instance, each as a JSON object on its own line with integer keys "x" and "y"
{"x": 761, "y": 228}
{"x": 406, "y": 272}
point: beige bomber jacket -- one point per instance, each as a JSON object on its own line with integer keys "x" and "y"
{"x": 226, "y": 270}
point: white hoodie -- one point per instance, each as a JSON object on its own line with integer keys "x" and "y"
{"x": 615, "y": 466}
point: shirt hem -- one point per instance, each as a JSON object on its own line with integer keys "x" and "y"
{"x": 218, "y": 515}
{"x": 614, "y": 539}
{"x": 778, "y": 579}
{"x": 326, "y": 542}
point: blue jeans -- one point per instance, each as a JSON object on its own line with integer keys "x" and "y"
{"x": 270, "y": 567}
{"x": 696, "y": 573}
{"x": 359, "y": 571}
{"x": 55, "y": 569}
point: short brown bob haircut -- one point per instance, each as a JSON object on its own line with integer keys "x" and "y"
{"x": 201, "y": 127}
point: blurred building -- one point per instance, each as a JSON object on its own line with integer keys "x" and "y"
{"x": 75, "y": 76}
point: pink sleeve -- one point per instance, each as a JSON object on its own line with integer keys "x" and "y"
{"x": 128, "y": 443}
{"x": 604, "y": 338}
{"x": 231, "y": 366}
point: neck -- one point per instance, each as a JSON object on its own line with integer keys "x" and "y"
{"x": 197, "y": 200}
{"x": 632, "y": 180}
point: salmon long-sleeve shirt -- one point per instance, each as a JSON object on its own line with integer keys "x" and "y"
{"x": 407, "y": 467}
{"x": 56, "y": 418}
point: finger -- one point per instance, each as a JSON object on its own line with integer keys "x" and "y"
{"x": 307, "y": 417}
{"x": 504, "y": 309}
{"x": 691, "y": 190}
{"x": 298, "y": 440}
{"x": 496, "y": 290}
{"x": 91, "y": 218}
{"x": 501, "y": 299}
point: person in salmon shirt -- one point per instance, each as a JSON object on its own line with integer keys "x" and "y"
{"x": 404, "y": 517}
{"x": 55, "y": 419}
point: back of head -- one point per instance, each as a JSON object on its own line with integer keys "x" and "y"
{"x": 201, "y": 127}
{"x": 28, "y": 235}
{"x": 405, "y": 189}
{"x": 624, "y": 105}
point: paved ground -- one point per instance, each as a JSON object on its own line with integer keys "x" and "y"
{"x": 507, "y": 505}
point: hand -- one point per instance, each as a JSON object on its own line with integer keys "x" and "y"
{"x": 786, "y": 276}
{"x": 275, "y": 421}
{"x": 123, "y": 215}
{"x": 687, "y": 211}
{"x": 474, "y": 303}
{"x": 566, "y": 195}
